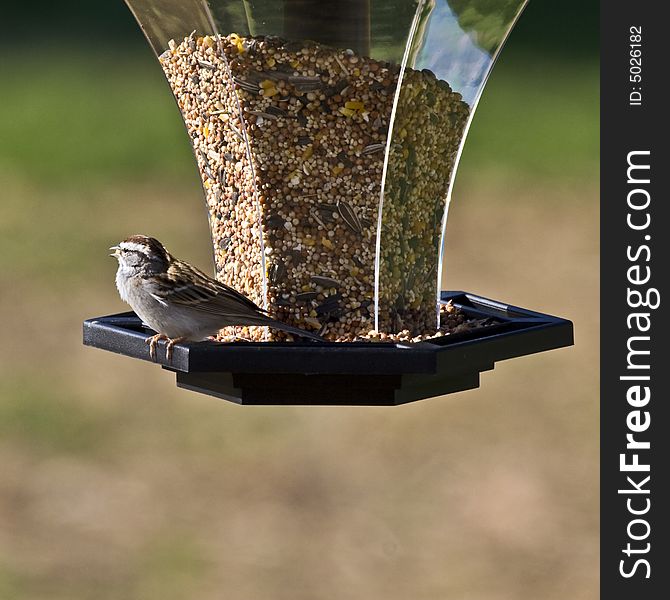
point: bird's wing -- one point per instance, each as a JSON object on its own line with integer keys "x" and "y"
{"x": 185, "y": 285}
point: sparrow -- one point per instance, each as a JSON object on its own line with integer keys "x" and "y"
{"x": 178, "y": 301}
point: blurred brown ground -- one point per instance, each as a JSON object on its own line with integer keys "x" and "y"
{"x": 116, "y": 485}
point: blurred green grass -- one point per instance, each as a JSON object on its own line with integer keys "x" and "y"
{"x": 537, "y": 119}
{"x": 108, "y": 116}
{"x": 41, "y": 413}
{"x": 89, "y": 117}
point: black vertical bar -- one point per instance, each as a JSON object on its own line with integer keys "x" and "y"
{"x": 635, "y": 242}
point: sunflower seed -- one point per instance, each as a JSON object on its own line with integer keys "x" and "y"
{"x": 344, "y": 159}
{"x": 430, "y": 275}
{"x": 283, "y": 68}
{"x": 410, "y": 279}
{"x": 328, "y": 306}
{"x": 323, "y": 281}
{"x": 349, "y": 216}
{"x": 372, "y": 148}
{"x": 296, "y": 256}
{"x": 224, "y": 243}
{"x": 276, "y": 111}
{"x": 246, "y": 85}
{"x": 306, "y": 296}
{"x": 274, "y": 221}
{"x": 206, "y": 65}
{"x": 264, "y": 115}
{"x": 304, "y": 140}
{"x": 342, "y": 84}
{"x": 326, "y": 212}
{"x": 305, "y": 84}
{"x": 277, "y": 273}
{"x": 255, "y": 77}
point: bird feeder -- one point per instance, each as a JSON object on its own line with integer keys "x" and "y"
{"x": 327, "y": 135}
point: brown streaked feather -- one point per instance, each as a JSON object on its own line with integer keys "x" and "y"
{"x": 184, "y": 284}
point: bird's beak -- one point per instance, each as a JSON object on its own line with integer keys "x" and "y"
{"x": 115, "y": 252}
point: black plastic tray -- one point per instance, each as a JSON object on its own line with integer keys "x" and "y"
{"x": 357, "y": 373}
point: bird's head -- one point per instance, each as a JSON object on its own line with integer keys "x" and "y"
{"x": 141, "y": 254}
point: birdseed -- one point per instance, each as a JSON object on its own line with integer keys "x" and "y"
{"x": 291, "y": 146}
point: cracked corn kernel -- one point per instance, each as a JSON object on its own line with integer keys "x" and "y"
{"x": 354, "y": 105}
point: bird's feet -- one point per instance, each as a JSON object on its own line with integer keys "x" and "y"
{"x": 153, "y": 342}
{"x": 170, "y": 345}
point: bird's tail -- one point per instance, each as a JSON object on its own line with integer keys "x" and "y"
{"x": 274, "y": 324}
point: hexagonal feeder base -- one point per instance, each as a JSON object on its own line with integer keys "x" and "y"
{"x": 373, "y": 374}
